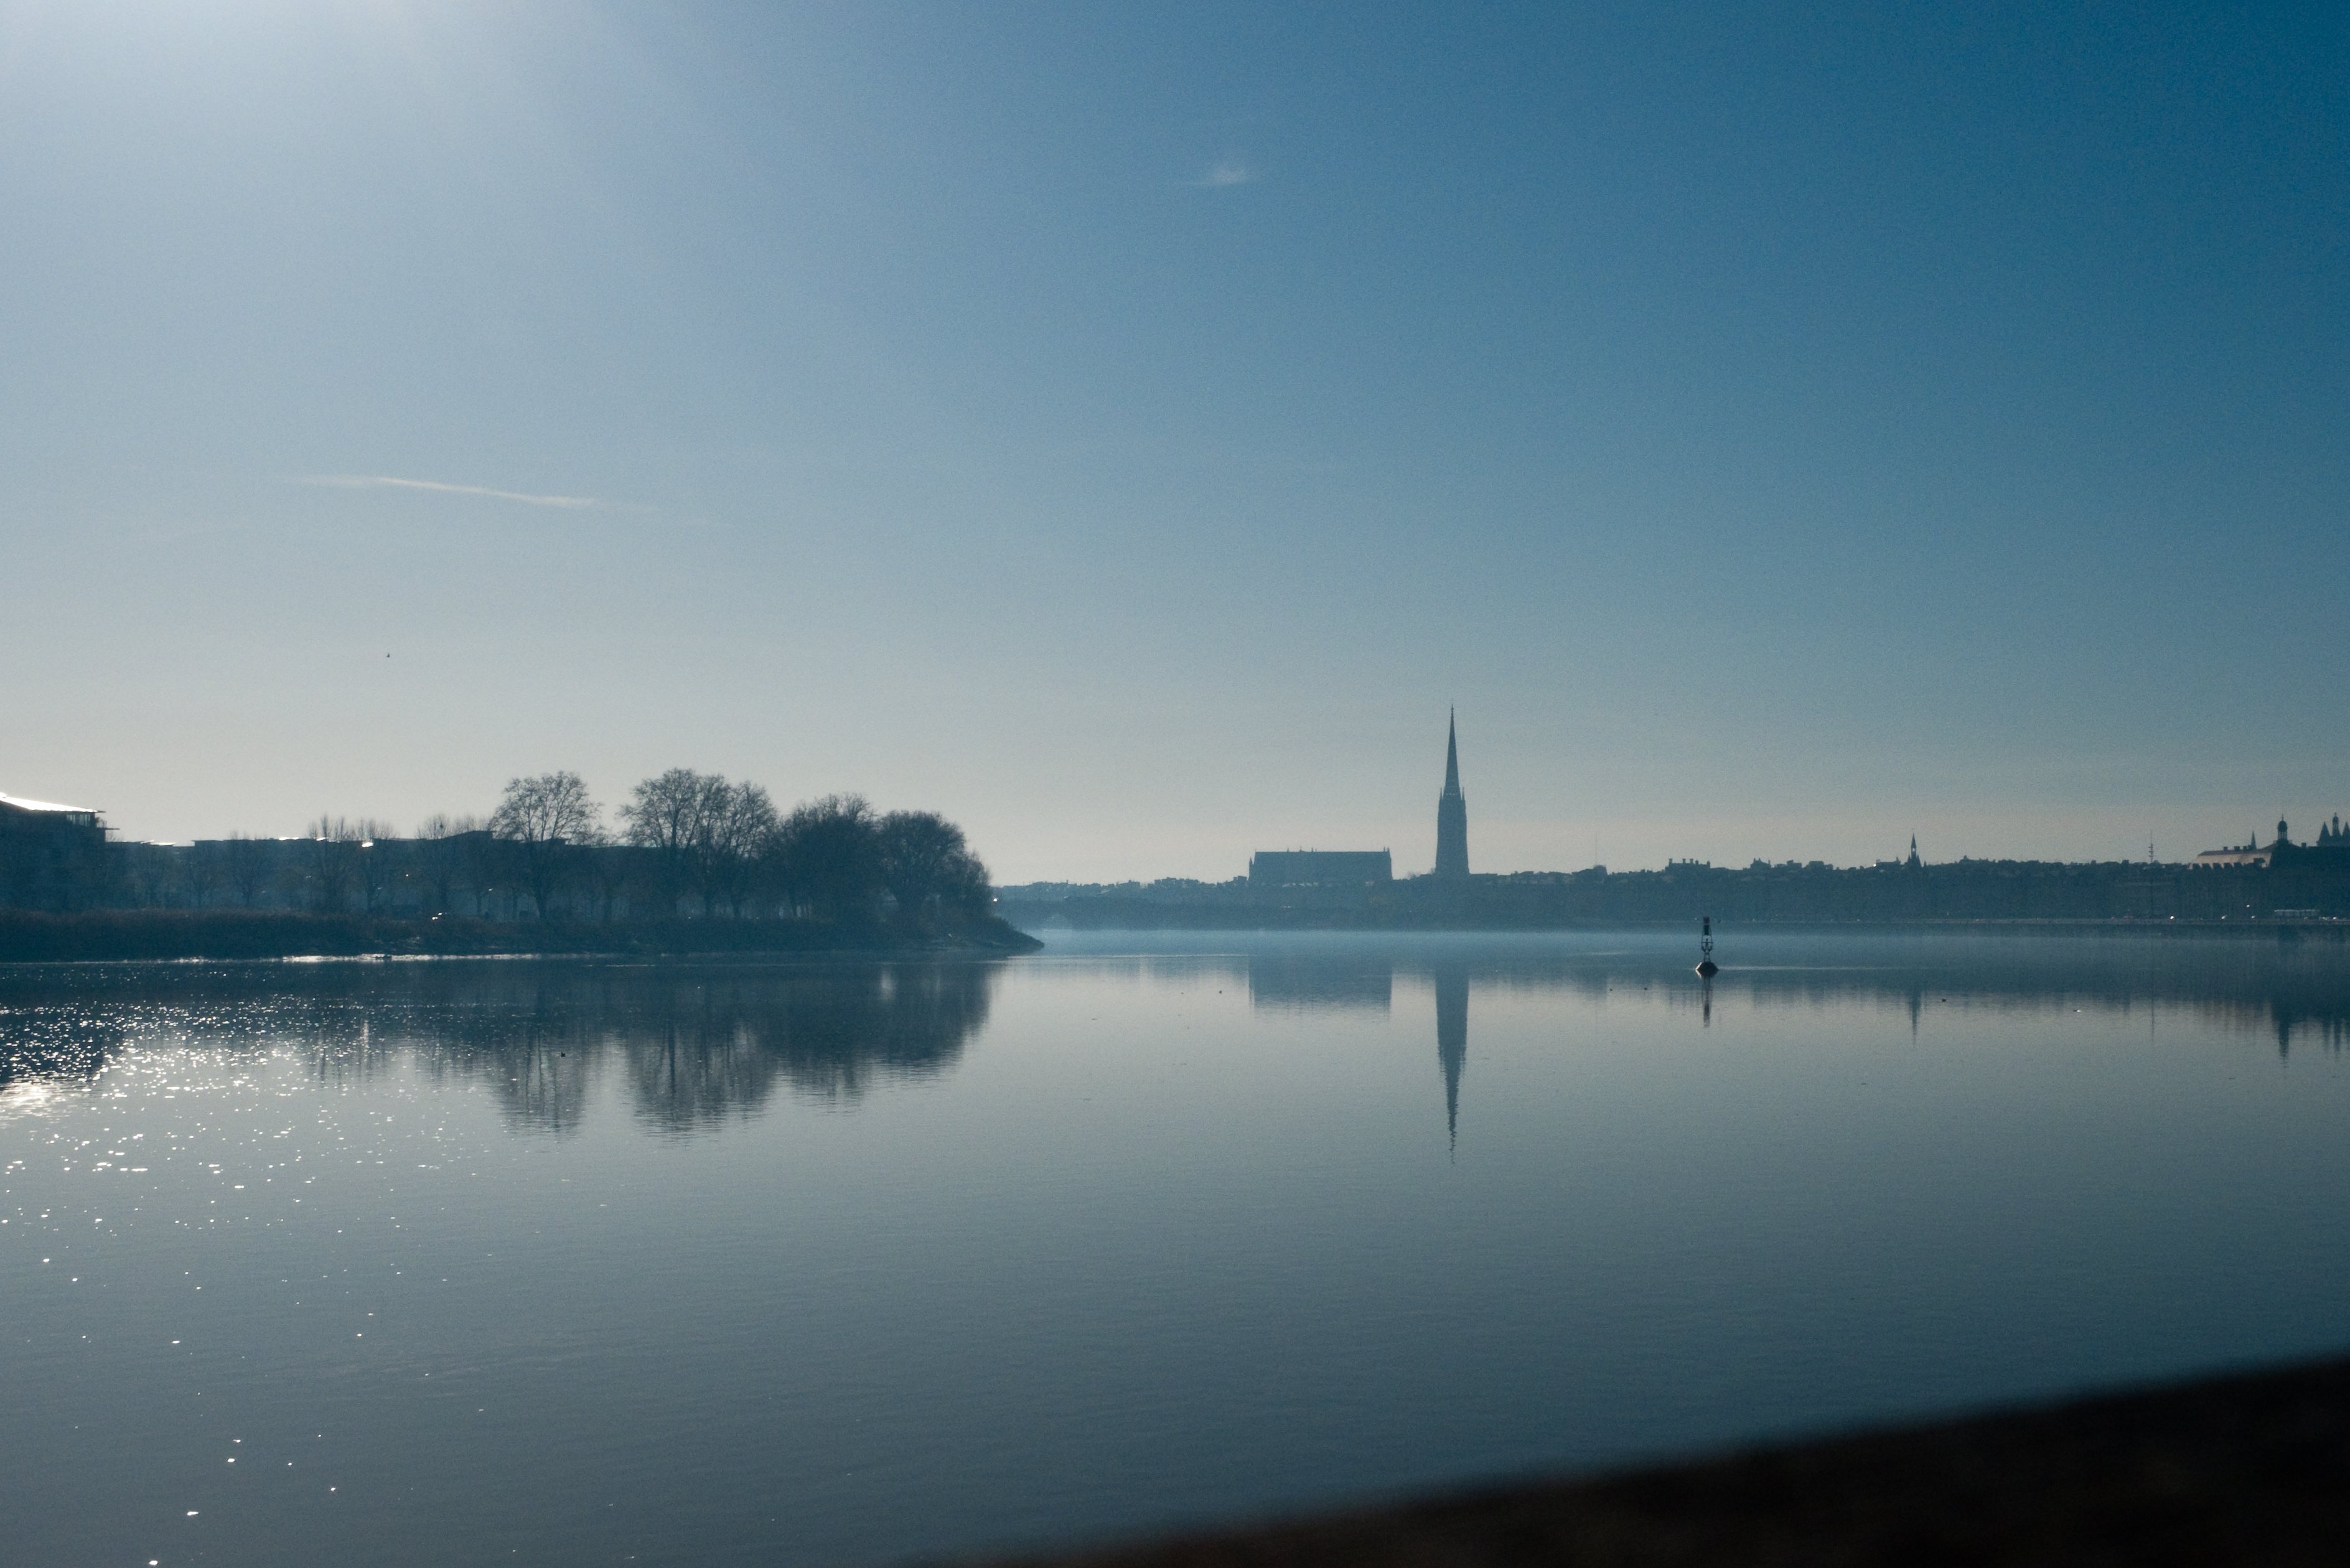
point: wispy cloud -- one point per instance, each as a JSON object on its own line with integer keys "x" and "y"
{"x": 1228, "y": 172}
{"x": 376, "y": 481}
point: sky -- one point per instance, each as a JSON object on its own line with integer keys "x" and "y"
{"x": 1129, "y": 429}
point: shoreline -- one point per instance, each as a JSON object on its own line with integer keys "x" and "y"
{"x": 2052, "y": 925}
{"x": 242, "y": 936}
{"x": 2243, "y": 1467}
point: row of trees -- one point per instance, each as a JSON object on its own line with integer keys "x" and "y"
{"x": 684, "y": 843}
{"x": 723, "y": 847}
{"x": 719, "y": 845}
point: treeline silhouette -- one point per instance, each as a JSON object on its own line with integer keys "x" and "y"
{"x": 684, "y": 844}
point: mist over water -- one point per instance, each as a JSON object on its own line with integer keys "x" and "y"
{"x": 526, "y": 1262}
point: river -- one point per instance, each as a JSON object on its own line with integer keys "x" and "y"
{"x": 517, "y": 1261}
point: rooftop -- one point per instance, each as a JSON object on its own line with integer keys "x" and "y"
{"x": 23, "y": 805}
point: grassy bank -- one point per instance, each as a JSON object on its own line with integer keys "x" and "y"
{"x": 116, "y": 935}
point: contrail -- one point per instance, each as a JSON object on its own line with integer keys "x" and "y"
{"x": 365, "y": 481}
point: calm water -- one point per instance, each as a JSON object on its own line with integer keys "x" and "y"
{"x": 517, "y": 1262}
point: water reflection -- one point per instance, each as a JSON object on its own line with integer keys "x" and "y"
{"x": 1319, "y": 980}
{"x": 1451, "y": 1040}
{"x": 2292, "y": 988}
{"x": 693, "y": 1046}
{"x": 1161, "y": 1226}
{"x": 56, "y": 1043}
{"x": 708, "y": 1051}
{"x": 1360, "y": 976}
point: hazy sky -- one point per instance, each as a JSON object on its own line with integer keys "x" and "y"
{"x": 1125, "y": 428}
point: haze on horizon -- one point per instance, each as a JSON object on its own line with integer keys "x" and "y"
{"x": 1127, "y": 429}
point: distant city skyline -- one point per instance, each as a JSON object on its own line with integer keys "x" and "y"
{"x": 1452, "y": 824}
{"x": 1127, "y": 430}
{"x": 1414, "y": 858}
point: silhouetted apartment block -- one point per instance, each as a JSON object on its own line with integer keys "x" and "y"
{"x": 52, "y": 856}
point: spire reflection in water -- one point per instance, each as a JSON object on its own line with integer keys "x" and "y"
{"x": 1452, "y": 1040}
{"x": 587, "y": 1256}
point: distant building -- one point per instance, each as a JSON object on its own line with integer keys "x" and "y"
{"x": 1320, "y": 868}
{"x": 1912, "y": 863}
{"x": 52, "y": 856}
{"x": 1451, "y": 814}
{"x": 2248, "y": 853}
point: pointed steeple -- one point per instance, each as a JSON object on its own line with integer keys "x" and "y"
{"x": 1452, "y": 811}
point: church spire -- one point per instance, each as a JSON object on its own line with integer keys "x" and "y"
{"x": 1452, "y": 812}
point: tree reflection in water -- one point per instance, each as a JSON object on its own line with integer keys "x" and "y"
{"x": 38, "y": 1043}
{"x": 697, "y": 1045}
{"x": 714, "y": 1047}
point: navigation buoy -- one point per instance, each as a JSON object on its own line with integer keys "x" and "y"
{"x": 1705, "y": 964}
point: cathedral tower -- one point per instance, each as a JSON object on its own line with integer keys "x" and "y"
{"x": 1451, "y": 814}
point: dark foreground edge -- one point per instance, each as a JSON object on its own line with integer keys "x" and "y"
{"x": 2241, "y": 1470}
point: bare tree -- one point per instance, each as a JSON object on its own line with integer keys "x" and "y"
{"x": 371, "y": 862}
{"x": 740, "y": 822}
{"x": 609, "y": 869}
{"x": 204, "y": 873}
{"x": 826, "y": 858}
{"x": 543, "y": 817}
{"x": 488, "y": 861}
{"x": 334, "y": 850}
{"x": 146, "y": 874}
{"x": 929, "y": 869}
{"x": 247, "y": 863}
{"x": 669, "y": 814}
{"x": 755, "y": 824}
{"x": 441, "y": 859}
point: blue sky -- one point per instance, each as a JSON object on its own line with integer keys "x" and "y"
{"x": 1126, "y": 429}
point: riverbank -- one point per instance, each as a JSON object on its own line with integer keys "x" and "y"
{"x": 2237, "y": 1470}
{"x": 2305, "y": 885}
{"x": 116, "y": 936}
{"x": 1051, "y": 923}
